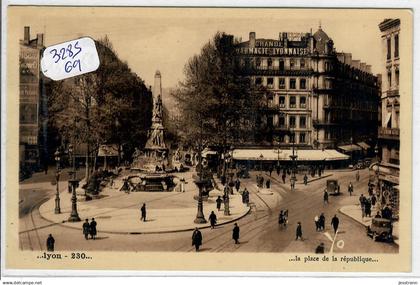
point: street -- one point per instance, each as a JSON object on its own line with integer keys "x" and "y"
{"x": 259, "y": 230}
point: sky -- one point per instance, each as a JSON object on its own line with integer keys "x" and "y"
{"x": 151, "y": 39}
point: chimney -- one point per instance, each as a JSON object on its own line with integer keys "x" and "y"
{"x": 40, "y": 40}
{"x": 252, "y": 39}
{"x": 26, "y": 35}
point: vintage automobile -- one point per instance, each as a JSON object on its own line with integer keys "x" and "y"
{"x": 333, "y": 188}
{"x": 380, "y": 230}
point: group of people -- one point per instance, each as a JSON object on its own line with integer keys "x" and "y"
{"x": 284, "y": 217}
{"x": 197, "y": 236}
{"x": 366, "y": 204}
{"x": 320, "y": 222}
{"x": 89, "y": 229}
{"x": 245, "y": 196}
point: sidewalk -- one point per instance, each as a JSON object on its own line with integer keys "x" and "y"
{"x": 354, "y": 212}
{"x": 119, "y": 212}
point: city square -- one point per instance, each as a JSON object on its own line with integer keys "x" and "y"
{"x": 276, "y": 145}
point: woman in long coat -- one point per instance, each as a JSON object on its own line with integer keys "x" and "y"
{"x": 93, "y": 228}
{"x": 235, "y": 233}
{"x": 197, "y": 239}
{"x": 299, "y": 231}
{"x": 86, "y": 229}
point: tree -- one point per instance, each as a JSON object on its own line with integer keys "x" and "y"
{"x": 217, "y": 103}
{"x": 110, "y": 105}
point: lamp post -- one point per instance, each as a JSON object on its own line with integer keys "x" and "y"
{"x": 74, "y": 216}
{"x": 57, "y": 156}
{"x": 293, "y": 157}
{"x": 261, "y": 159}
{"x": 378, "y": 187}
{"x": 199, "y": 219}
{"x": 117, "y": 127}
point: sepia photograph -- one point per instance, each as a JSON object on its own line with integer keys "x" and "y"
{"x": 209, "y": 138}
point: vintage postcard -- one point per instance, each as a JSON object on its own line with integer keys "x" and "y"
{"x": 208, "y": 139}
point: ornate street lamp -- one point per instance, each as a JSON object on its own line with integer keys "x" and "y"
{"x": 293, "y": 157}
{"x": 200, "y": 182}
{"x": 57, "y": 156}
{"x": 74, "y": 216}
{"x": 378, "y": 187}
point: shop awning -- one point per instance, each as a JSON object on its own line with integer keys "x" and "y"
{"x": 363, "y": 145}
{"x": 350, "y": 147}
{"x": 108, "y": 150}
{"x": 284, "y": 154}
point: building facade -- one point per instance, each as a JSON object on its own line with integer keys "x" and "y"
{"x": 32, "y": 101}
{"x": 389, "y": 130}
{"x": 319, "y": 98}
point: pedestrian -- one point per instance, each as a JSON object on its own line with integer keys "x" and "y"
{"x": 246, "y": 192}
{"x": 368, "y": 206}
{"x": 334, "y": 222}
{"x": 305, "y": 179}
{"x": 299, "y": 231}
{"x": 50, "y": 243}
{"x": 373, "y": 199}
{"x": 350, "y": 189}
{"x": 213, "y": 219}
{"x": 283, "y": 178}
{"x": 86, "y": 229}
{"x": 325, "y": 197}
{"x": 378, "y": 215}
{"x": 267, "y": 183}
{"x": 182, "y": 186}
{"x": 197, "y": 239}
{"x": 357, "y": 176}
{"x": 320, "y": 248}
{"x": 321, "y": 222}
{"x": 92, "y": 228}
{"x": 143, "y": 212}
{"x": 218, "y": 203}
{"x": 237, "y": 184}
{"x": 317, "y": 223}
{"x": 270, "y": 170}
{"x": 281, "y": 218}
{"x": 262, "y": 182}
{"x": 235, "y": 233}
{"x": 362, "y": 200}
{"x": 278, "y": 170}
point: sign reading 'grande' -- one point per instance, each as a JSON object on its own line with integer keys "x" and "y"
{"x": 272, "y": 51}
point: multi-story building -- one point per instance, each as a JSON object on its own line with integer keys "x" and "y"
{"x": 32, "y": 101}
{"x": 319, "y": 98}
{"x": 389, "y": 131}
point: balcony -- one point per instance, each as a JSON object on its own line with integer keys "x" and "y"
{"x": 389, "y": 133}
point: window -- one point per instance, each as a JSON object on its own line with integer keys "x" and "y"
{"x": 302, "y": 122}
{"x": 282, "y": 122}
{"x": 258, "y": 62}
{"x": 388, "y": 48}
{"x": 292, "y": 84}
{"x": 396, "y": 44}
{"x": 302, "y": 102}
{"x": 397, "y": 77}
{"x": 281, "y": 138}
{"x": 292, "y": 63}
{"x": 292, "y": 137}
{"x": 389, "y": 79}
{"x": 281, "y": 65}
{"x": 269, "y": 62}
{"x": 282, "y": 101}
{"x": 282, "y": 83}
{"x": 302, "y": 63}
{"x": 258, "y": 81}
{"x": 302, "y": 138}
{"x": 247, "y": 62}
{"x": 292, "y": 122}
{"x": 302, "y": 82}
{"x": 292, "y": 102}
{"x": 270, "y": 82}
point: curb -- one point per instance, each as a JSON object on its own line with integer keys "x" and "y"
{"x": 316, "y": 179}
{"x": 396, "y": 241}
{"x": 62, "y": 223}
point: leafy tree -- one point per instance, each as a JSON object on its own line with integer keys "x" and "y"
{"x": 217, "y": 103}
{"x": 110, "y": 105}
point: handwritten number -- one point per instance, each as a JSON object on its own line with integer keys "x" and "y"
{"x": 70, "y": 53}
{"x": 79, "y": 49}
{"x": 68, "y": 67}
{"x": 55, "y": 55}
{"x": 63, "y": 53}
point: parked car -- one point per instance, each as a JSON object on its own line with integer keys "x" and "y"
{"x": 380, "y": 230}
{"x": 333, "y": 188}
